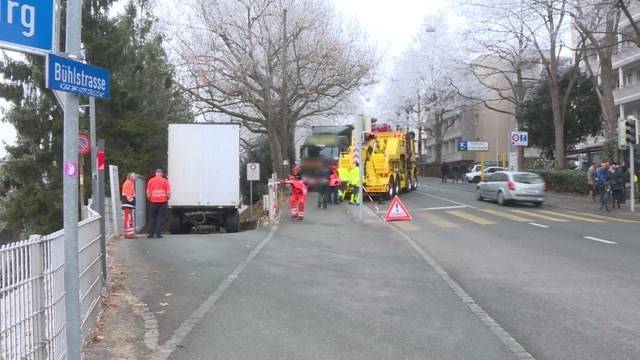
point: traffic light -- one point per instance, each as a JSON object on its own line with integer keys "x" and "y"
{"x": 631, "y": 130}
{"x": 622, "y": 133}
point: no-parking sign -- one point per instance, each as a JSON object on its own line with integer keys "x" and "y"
{"x": 253, "y": 172}
{"x": 520, "y": 138}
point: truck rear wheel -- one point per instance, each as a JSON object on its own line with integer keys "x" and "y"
{"x": 391, "y": 192}
{"x": 232, "y": 221}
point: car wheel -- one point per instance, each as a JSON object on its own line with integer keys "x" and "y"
{"x": 537, "y": 204}
{"x": 478, "y": 195}
{"x": 476, "y": 179}
{"x": 501, "y": 199}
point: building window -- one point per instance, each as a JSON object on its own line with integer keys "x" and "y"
{"x": 628, "y": 79}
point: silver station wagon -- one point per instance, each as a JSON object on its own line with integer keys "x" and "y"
{"x": 512, "y": 186}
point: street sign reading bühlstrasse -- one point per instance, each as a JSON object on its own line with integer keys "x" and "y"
{"x": 73, "y": 76}
{"x": 27, "y": 25}
{"x": 473, "y": 146}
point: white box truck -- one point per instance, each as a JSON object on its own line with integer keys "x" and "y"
{"x": 204, "y": 172}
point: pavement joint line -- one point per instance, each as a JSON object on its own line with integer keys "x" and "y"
{"x": 507, "y": 340}
{"x": 209, "y": 305}
{"x": 600, "y": 240}
{"x": 444, "y": 199}
{"x": 539, "y": 225}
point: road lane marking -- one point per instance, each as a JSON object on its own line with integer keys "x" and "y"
{"x": 506, "y": 215}
{"x": 539, "y": 216}
{"x": 569, "y": 216}
{"x": 442, "y": 208}
{"x": 599, "y": 240}
{"x": 407, "y": 226}
{"x": 471, "y": 217}
{"x": 176, "y": 339}
{"x": 507, "y": 340}
{"x": 438, "y": 221}
{"x": 444, "y": 199}
{"x": 539, "y": 225}
{"x": 607, "y": 218}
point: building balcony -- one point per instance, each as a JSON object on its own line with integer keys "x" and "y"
{"x": 627, "y": 94}
{"x": 625, "y": 56}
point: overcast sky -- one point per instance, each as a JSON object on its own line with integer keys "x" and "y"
{"x": 390, "y": 24}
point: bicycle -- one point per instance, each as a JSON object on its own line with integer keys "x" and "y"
{"x": 606, "y": 197}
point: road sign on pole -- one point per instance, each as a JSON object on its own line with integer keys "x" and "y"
{"x": 27, "y": 25}
{"x": 478, "y": 145}
{"x": 253, "y": 172}
{"x": 520, "y": 138}
{"x": 76, "y": 77}
{"x": 84, "y": 143}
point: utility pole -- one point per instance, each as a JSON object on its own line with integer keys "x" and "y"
{"x": 94, "y": 152}
{"x": 70, "y": 190}
{"x": 285, "y": 86}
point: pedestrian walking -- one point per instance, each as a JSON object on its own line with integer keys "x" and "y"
{"x": 323, "y": 195}
{"x": 128, "y": 200}
{"x": 602, "y": 176}
{"x": 454, "y": 173}
{"x": 158, "y": 193}
{"x": 617, "y": 185}
{"x": 298, "y": 198}
{"x": 334, "y": 185}
{"x": 591, "y": 180}
{"x": 444, "y": 172}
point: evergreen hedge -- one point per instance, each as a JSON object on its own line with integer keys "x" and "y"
{"x": 569, "y": 181}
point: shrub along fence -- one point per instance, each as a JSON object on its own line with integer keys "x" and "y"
{"x": 568, "y": 181}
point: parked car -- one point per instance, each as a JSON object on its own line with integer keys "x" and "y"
{"x": 473, "y": 176}
{"x": 516, "y": 186}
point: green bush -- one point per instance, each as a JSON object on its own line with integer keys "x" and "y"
{"x": 569, "y": 181}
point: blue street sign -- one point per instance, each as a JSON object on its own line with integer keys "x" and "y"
{"x": 73, "y": 76}
{"x": 27, "y": 25}
{"x": 462, "y": 145}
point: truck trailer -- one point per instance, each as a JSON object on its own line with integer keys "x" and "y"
{"x": 204, "y": 172}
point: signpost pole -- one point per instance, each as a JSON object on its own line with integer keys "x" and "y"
{"x": 251, "y": 199}
{"x": 359, "y": 125}
{"x": 632, "y": 168}
{"x": 70, "y": 192}
{"x": 94, "y": 151}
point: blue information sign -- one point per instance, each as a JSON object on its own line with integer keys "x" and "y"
{"x": 73, "y": 76}
{"x": 463, "y": 145}
{"x": 27, "y": 25}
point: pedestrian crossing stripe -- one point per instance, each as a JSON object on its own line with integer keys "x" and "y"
{"x": 438, "y": 221}
{"x": 572, "y": 217}
{"x": 508, "y": 216}
{"x": 470, "y": 217}
{"x": 606, "y": 218}
{"x": 539, "y": 216}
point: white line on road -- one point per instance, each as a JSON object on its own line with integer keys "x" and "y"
{"x": 599, "y": 240}
{"x": 539, "y": 225}
{"x": 165, "y": 350}
{"x": 444, "y": 199}
{"x": 442, "y": 208}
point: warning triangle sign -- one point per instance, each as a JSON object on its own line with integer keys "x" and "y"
{"x": 397, "y": 211}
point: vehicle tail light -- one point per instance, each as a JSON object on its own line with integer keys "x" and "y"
{"x": 512, "y": 185}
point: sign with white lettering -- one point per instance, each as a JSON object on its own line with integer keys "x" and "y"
{"x": 73, "y": 76}
{"x": 477, "y": 146}
{"x": 27, "y": 25}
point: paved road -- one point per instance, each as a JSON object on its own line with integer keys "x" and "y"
{"x": 326, "y": 288}
{"x": 564, "y": 283}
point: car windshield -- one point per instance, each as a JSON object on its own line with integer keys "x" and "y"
{"x": 527, "y": 179}
{"x": 322, "y": 152}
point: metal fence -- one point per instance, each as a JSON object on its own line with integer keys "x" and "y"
{"x": 32, "y": 313}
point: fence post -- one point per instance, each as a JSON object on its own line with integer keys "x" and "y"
{"x": 38, "y": 322}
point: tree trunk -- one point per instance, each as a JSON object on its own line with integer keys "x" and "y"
{"x": 558, "y": 123}
{"x": 276, "y": 152}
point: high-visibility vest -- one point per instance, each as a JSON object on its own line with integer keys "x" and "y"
{"x": 128, "y": 190}
{"x": 354, "y": 176}
{"x": 343, "y": 174}
{"x": 158, "y": 190}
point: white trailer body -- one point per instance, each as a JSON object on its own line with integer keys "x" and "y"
{"x": 204, "y": 172}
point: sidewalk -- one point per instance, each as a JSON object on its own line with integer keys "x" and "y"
{"x": 584, "y": 203}
{"x": 328, "y": 287}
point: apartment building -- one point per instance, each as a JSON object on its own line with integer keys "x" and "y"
{"x": 626, "y": 61}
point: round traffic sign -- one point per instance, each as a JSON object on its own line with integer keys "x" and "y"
{"x": 84, "y": 143}
{"x": 515, "y": 137}
{"x": 252, "y": 166}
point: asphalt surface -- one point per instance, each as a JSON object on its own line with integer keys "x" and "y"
{"x": 325, "y": 288}
{"x": 563, "y": 283}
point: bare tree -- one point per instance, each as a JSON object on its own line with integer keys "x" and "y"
{"x": 270, "y": 64}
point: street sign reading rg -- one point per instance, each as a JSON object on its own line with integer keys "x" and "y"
{"x": 520, "y": 138}
{"x": 27, "y": 25}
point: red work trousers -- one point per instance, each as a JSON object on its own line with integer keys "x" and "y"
{"x": 297, "y": 205}
{"x": 127, "y": 214}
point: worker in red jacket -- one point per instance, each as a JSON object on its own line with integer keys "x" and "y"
{"x": 298, "y": 198}
{"x": 158, "y": 193}
{"x": 128, "y": 205}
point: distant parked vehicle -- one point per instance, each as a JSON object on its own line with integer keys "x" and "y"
{"x": 512, "y": 186}
{"x": 473, "y": 176}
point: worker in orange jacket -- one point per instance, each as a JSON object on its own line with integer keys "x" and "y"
{"x": 128, "y": 201}
{"x": 158, "y": 193}
{"x": 298, "y": 198}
